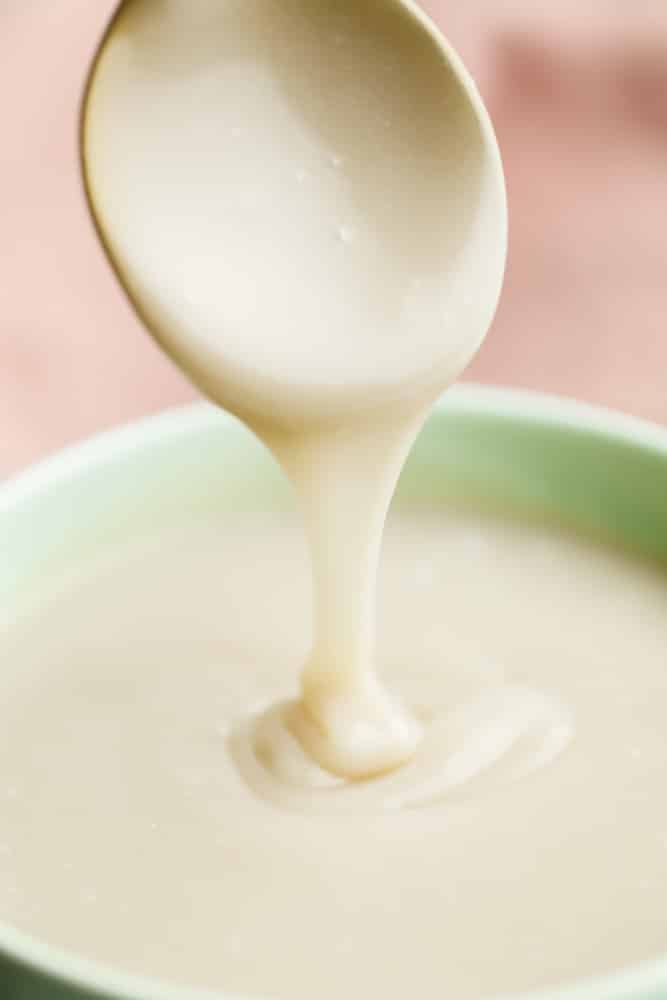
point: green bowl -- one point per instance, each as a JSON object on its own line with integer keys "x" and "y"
{"x": 597, "y": 471}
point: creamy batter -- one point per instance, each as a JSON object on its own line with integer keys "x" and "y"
{"x": 306, "y": 204}
{"x": 129, "y": 833}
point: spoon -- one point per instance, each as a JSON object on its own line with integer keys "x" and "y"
{"x": 257, "y": 166}
{"x": 304, "y": 201}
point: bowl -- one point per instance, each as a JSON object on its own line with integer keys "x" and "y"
{"x": 586, "y": 468}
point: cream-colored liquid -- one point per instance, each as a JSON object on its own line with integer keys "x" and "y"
{"x": 305, "y": 202}
{"x": 129, "y": 833}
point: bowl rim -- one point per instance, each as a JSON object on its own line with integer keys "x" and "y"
{"x": 564, "y": 415}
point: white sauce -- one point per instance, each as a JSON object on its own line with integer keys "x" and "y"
{"x": 306, "y": 203}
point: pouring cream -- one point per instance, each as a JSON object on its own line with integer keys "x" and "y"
{"x": 305, "y": 202}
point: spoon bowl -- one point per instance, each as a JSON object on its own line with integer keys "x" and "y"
{"x": 278, "y": 181}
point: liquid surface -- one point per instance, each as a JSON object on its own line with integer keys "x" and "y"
{"x": 305, "y": 203}
{"x": 129, "y": 833}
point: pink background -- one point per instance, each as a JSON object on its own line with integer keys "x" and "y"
{"x": 578, "y": 92}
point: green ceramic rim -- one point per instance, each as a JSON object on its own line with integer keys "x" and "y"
{"x": 537, "y": 456}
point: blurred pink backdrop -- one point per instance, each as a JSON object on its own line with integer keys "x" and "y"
{"x": 578, "y": 92}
